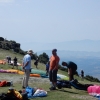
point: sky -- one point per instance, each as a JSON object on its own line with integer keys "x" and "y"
{"x": 49, "y": 21}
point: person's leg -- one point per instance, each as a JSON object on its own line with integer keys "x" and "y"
{"x": 46, "y": 73}
{"x": 23, "y": 81}
{"x": 70, "y": 77}
{"x": 16, "y": 65}
{"x": 71, "y": 74}
{"x": 54, "y": 78}
{"x": 81, "y": 77}
{"x": 50, "y": 78}
{"x": 27, "y": 77}
{"x": 36, "y": 65}
{"x": 10, "y": 61}
{"x": 13, "y": 65}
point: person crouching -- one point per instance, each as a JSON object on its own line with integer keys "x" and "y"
{"x": 72, "y": 67}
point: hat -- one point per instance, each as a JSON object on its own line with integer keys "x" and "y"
{"x": 30, "y": 51}
{"x": 54, "y": 50}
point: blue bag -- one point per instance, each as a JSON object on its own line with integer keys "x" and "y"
{"x": 30, "y": 92}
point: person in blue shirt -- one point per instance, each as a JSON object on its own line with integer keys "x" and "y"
{"x": 72, "y": 67}
{"x": 26, "y": 64}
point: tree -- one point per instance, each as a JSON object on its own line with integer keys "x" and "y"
{"x": 1, "y": 39}
{"x": 34, "y": 56}
{"x": 43, "y": 58}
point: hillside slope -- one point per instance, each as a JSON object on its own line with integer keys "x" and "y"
{"x": 70, "y": 94}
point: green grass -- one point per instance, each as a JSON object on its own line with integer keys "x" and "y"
{"x": 61, "y": 94}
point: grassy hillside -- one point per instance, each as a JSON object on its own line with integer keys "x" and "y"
{"x": 61, "y": 94}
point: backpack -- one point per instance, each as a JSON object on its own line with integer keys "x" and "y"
{"x": 30, "y": 91}
{"x": 15, "y": 94}
{"x": 3, "y": 83}
{"x": 8, "y": 96}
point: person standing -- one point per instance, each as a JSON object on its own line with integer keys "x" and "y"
{"x": 47, "y": 68}
{"x": 15, "y": 63}
{"x": 72, "y": 67}
{"x": 82, "y": 74}
{"x": 26, "y": 64}
{"x": 53, "y": 69}
{"x": 36, "y": 63}
{"x": 8, "y": 59}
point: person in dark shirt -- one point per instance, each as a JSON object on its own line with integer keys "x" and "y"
{"x": 15, "y": 62}
{"x": 47, "y": 68}
{"x": 8, "y": 59}
{"x": 82, "y": 74}
{"x": 72, "y": 67}
{"x": 36, "y": 63}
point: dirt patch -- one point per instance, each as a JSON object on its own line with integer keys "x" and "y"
{"x": 18, "y": 78}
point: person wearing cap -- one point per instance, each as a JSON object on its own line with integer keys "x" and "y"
{"x": 72, "y": 67}
{"x": 26, "y": 64}
{"x": 53, "y": 69}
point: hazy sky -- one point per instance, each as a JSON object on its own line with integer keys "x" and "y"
{"x": 47, "y": 21}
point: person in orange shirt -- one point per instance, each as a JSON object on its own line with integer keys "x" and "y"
{"x": 53, "y": 69}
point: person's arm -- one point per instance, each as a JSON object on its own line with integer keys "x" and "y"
{"x": 69, "y": 71}
{"x": 25, "y": 64}
{"x": 69, "y": 68}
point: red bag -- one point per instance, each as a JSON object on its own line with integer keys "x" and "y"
{"x": 3, "y": 83}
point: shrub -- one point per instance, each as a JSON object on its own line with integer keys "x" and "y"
{"x": 1, "y": 39}
{"x": 21, "y": 52}
{"x": 91, "y": 78}
{"x": 43, "y": 58}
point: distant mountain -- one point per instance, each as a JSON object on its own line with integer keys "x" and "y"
{"x": 76, "y": 54}
{"x": 76, "y": 45}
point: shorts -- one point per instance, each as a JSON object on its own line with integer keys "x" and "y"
{"x": 53, "y": 75}
{"x": 73, "y": 71}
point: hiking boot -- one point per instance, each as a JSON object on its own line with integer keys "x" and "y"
{"x": 52, "y": 88}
